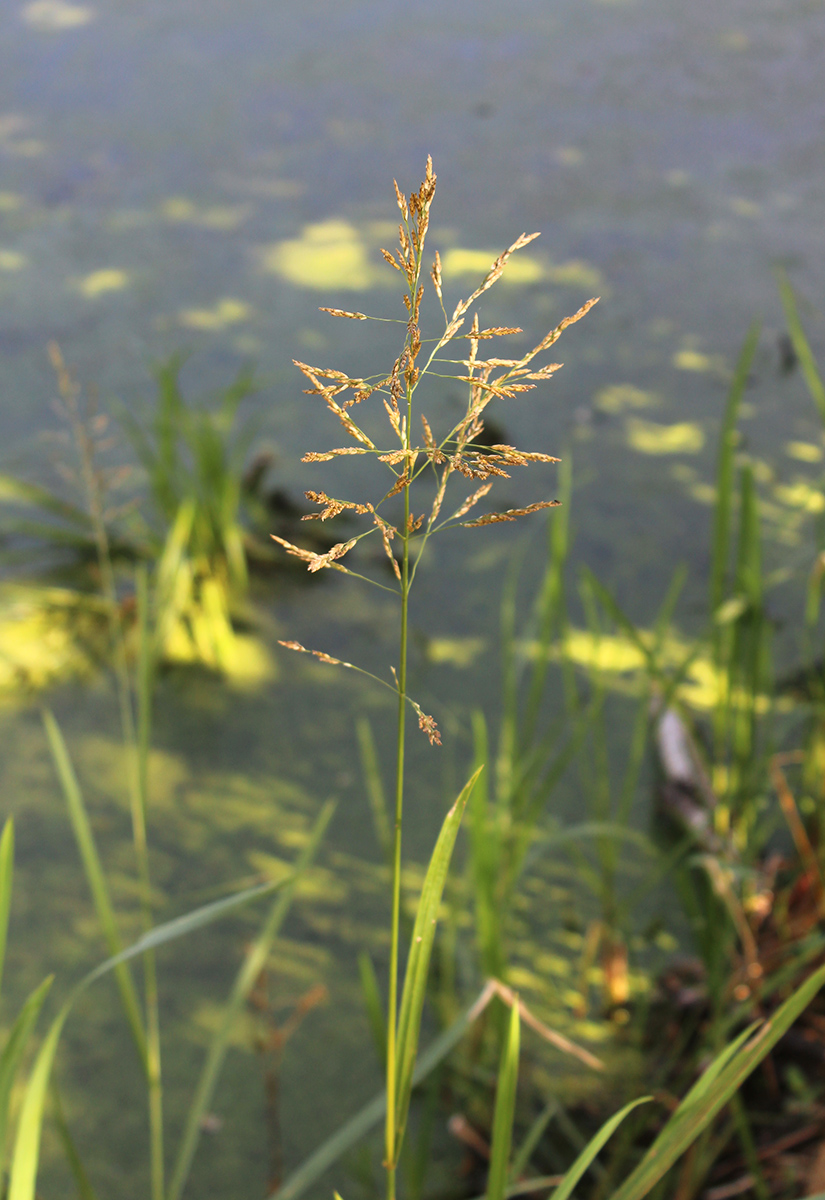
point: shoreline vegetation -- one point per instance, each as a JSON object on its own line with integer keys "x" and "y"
{"x": 705, "y": 1078}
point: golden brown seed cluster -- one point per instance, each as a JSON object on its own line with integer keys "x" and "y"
{"x": 459, "y": 453}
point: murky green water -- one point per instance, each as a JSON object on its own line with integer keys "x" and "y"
{"x": 205, "y": 175}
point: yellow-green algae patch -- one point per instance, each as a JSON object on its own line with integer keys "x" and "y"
{"x": 227, "y": 311}
{"x": 649, "y": 437}
{"x": 329, "y": 254}
{"x": 458, "y": 652}
{"x": 52, "y": 16}
{"x": 804, "y": 451}
{"x": 107, "y": 279}
{"x": 48, "y": 635}
{"x": 619, "y": 658}
{"x": 800, "y": 494}
{"x": 220, "y": 217}
{"x": 619, "y": 397}
{"x": 11, "y": 260}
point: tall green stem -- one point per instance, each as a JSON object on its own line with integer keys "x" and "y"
{"x": 392, "y": 1006}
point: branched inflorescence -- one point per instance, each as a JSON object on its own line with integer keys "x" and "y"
{"x": 459, "y": 454}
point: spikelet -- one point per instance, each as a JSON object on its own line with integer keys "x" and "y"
{"x": 495, "y": 272}
{"x": 427, "y": 725}
{"x": 317, "y": 562}
{"x": 328, "y": 393}
{"x": 439, "y": 496}
{"x": 555, "y": 334}
{"x": 435, "y": 274}
{"x": 494, "y": 331}
{"x": 342, "y": 312}
{"x": 387, "y": 532}
{"x": 402, "y": 202}
{"x": 332, "y": 507}
{"x": 477, "y": 495}
{"x": 400, "y": 484}
{"x": 319, "y": 654}
{"x": 389, "y": 258}
{"x": 511, "y": 514}
{"x": 326, "y": 455}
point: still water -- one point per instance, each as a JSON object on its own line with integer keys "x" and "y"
{"x": 204, "y": 176}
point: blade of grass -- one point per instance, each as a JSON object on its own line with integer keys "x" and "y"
{"x": 95, "y": 878}
{"x": 6, "y": 878}
{"x": 725, "y": 469}
{"x": 801, "y": 345}
{"x": 505, "y": 1110}
{"x": 588, "y": 1154}
{"x": 375, "y": 787}
{"x": 551, "y": 597}
{"x": 534, "y": 1136}
{"x": 484, "y": 859}
{"x": 372, "y": 1003}
{"x": 84, "y": 1188}
{"x": 418, "y": 963}
{"x": 26, "y": 1152}
{"x": 17, "y": 491}
{"x": 12, "y": 1055}
{"x": 244, "y": 982}
{"x": 705, "y": 1100}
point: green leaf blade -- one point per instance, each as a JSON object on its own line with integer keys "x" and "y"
{"x": 505, "y": 1109}
{"x": 418, "y": 963}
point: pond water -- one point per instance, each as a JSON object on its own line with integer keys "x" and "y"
{"x": 205, "y": 175}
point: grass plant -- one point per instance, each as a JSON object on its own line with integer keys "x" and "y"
{"x": 435, "y": 463}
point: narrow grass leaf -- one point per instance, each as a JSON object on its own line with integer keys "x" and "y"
{"x": 81, "y": 1180}
{"x": 588, "y": 1154}
{"x": 483, "y": 858}
{"x": 802, "y": 347}
{"x": 6, "y": 877}
{"x": 550, "y": 611}
{"x": 505, "y": 1110}
{"x": 13, "y": 1052}
{"x": 95, "y": 877}
{"x": 372, "y": 1003}
{"x": 26, "y": 1152}
{"x": 180, "y": 926}
{"x": 703, "y": 1102}
{"x": 17, "y": 491}
{"x": 531, "y": 1141}
{"x": 244, "y": 982}
{"x": 418, "y": 963}
{"x": 726, "y": 469}
{"x": 375, "y": 787}
{"x": 27, "y": 1143}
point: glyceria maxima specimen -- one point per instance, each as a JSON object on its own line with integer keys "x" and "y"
{"x": 429, "y": 465}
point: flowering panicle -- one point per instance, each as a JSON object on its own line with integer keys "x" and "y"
{"x": 462, "y": 451}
